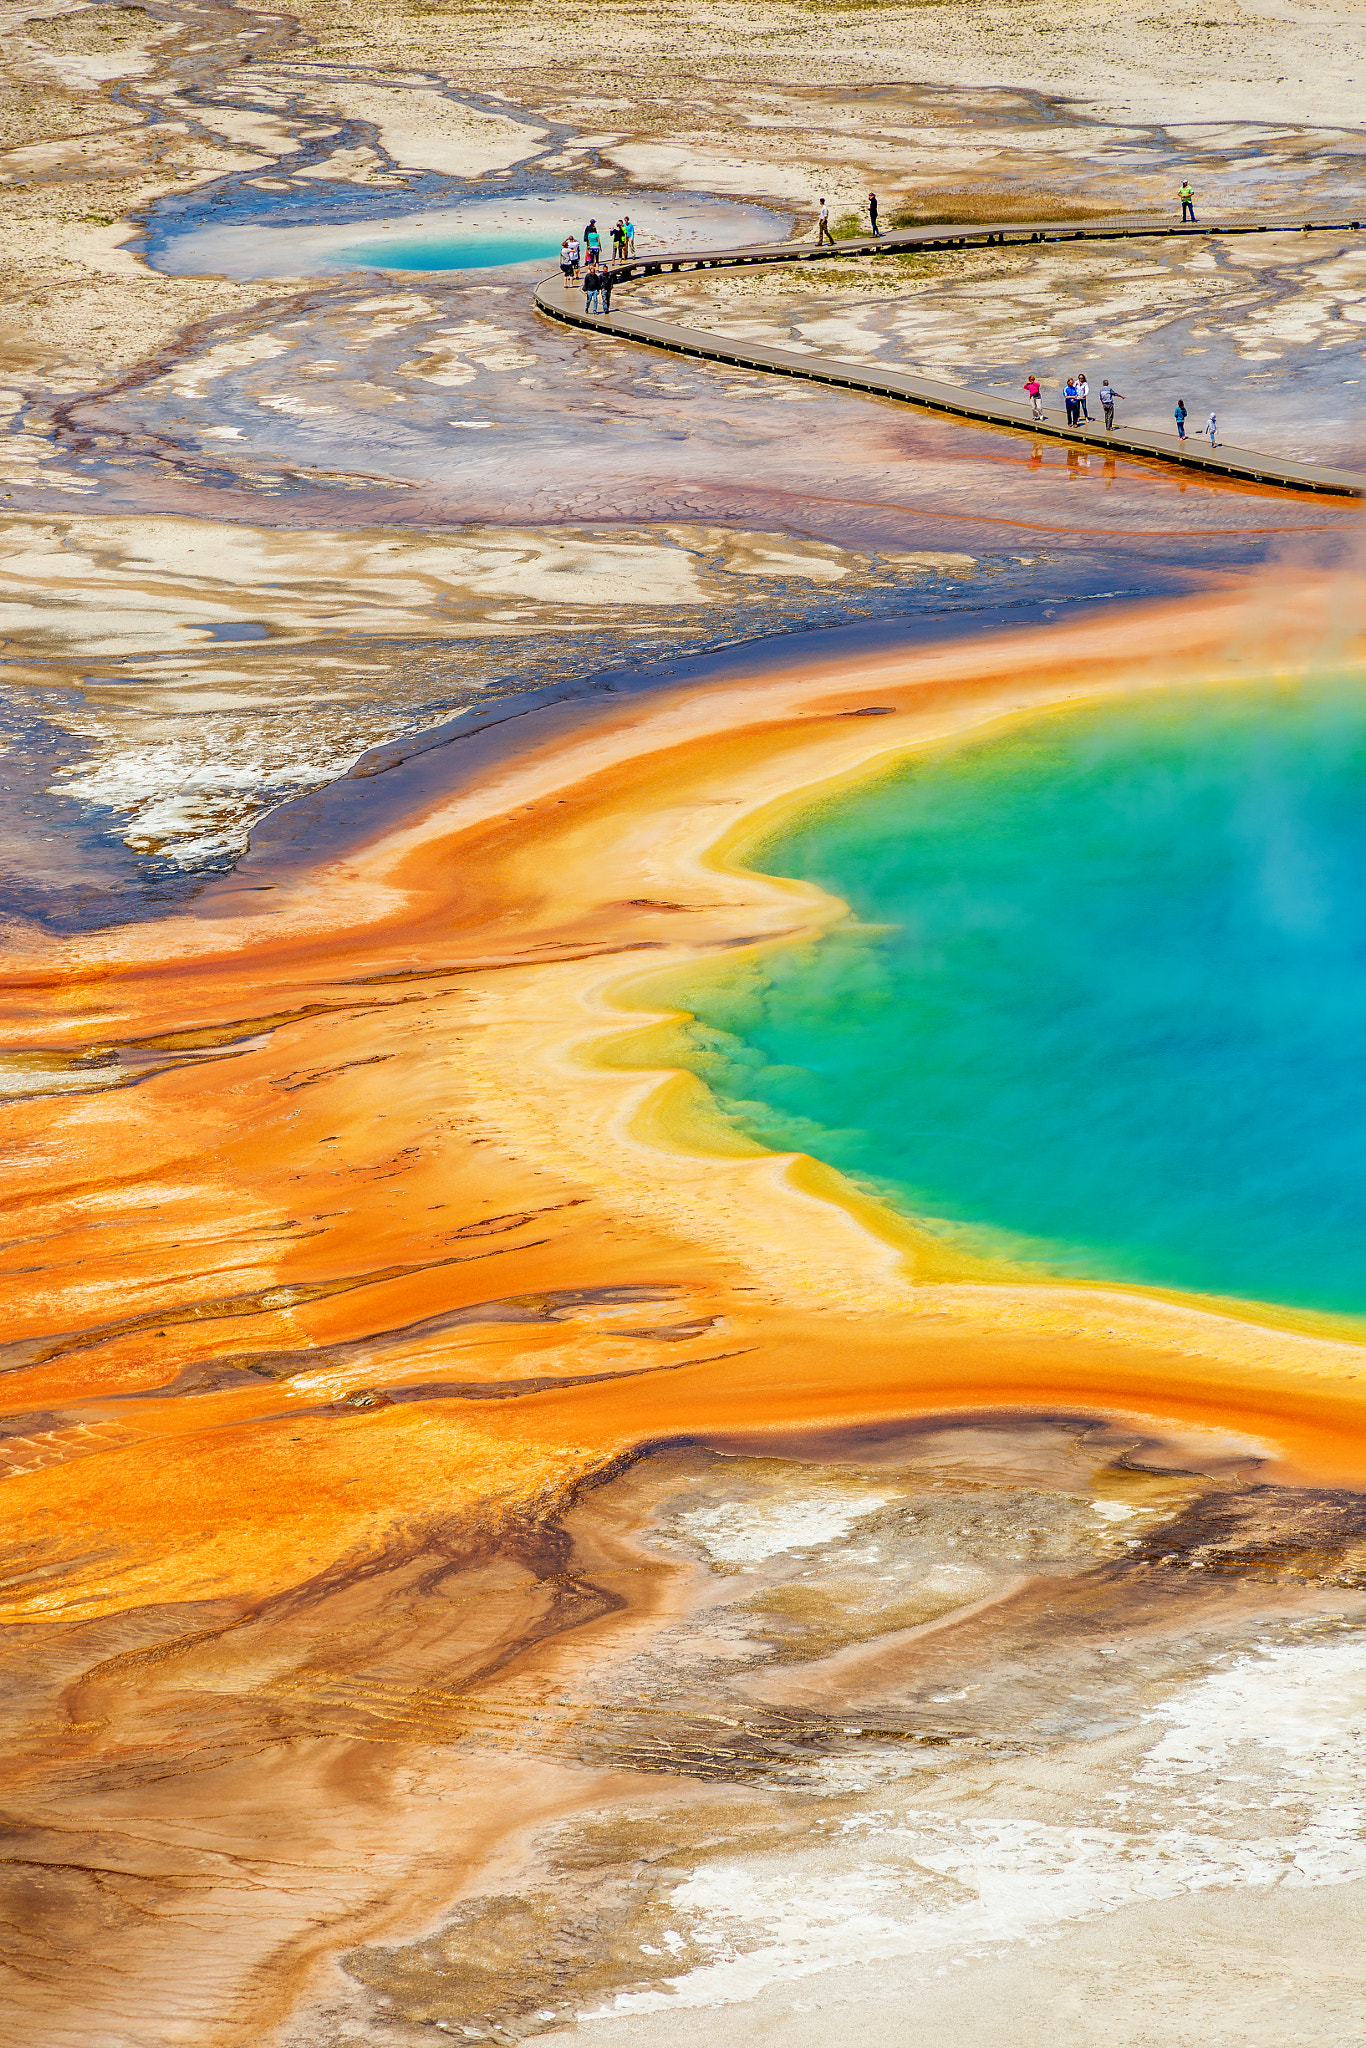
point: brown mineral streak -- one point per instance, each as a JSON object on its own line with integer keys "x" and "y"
{"x": 278, "y": 1620}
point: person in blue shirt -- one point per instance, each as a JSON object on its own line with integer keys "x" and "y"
{"x": 1181, "y": 418}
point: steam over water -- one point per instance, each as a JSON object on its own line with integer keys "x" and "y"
{"x": 1105, "y": 999}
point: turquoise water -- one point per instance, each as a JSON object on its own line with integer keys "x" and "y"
{"x": 1106, "y": 1007}
{"x": 472, "y": 252}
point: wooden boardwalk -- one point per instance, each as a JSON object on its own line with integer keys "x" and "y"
{"x": 562, "y": 302}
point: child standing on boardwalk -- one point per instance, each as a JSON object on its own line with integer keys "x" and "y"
{"x": 1180, "y": 417}
{"x": 1212, "y": 428}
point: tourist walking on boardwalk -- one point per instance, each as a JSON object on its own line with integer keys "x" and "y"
{"x": 628, "y": 229}
{"x": 616, "y": 242}
{"x": 592, "y": 285}
{"x": 1083, "y": 398}
{"x": 605, "y": 282}
{"x": 592, "y": 242}
{"x": 872, "y": 212}
{"x": 1187, "y": 197}
{"x": 1071, "y": 400}
{"x": 1034, "y": 393}
{"x": 567, "y": 258}
{"x": 1180, "y": 417}
{"x": 1212, "y": 428}
{"x": 1108, "y": 395}
{"x": 823, "y": 233}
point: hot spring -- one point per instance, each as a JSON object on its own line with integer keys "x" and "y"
{"x": 1101, "y": 1004}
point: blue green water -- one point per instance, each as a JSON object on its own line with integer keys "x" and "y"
{"x": 1105, "y": 1007}
{"x": 467, "y": 252}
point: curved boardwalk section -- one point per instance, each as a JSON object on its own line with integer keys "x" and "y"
{"x": 560, "y": 301}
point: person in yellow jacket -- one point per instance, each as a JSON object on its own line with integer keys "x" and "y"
{"x": 1187, "y": 197}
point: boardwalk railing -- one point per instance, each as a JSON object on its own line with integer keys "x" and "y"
{"x": 561, "y": 301}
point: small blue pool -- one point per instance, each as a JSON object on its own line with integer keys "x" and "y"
{"x": 449, "y": 252}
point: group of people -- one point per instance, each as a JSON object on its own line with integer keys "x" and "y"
{"x": 582, "y": 262}
{"x": 574, "y": 252}
{"x": 1211, "y": 426}
{"x": 1076, "y": 394}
